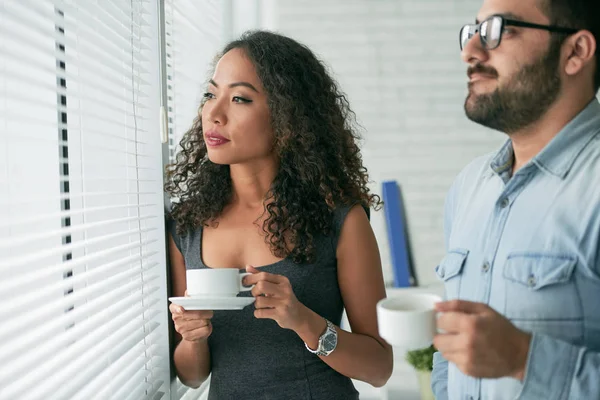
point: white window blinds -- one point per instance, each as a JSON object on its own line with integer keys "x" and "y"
{"x": 194, "y": 33}
{"x": 82, "y": 273}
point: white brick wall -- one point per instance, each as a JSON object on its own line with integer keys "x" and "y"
{"x": 399, "y": 62}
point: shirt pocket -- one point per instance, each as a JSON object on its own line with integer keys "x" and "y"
{"x": 541, "y": 286}
{"x": 450, "y": 271}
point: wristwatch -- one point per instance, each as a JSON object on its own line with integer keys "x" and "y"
{"x": 327, "y": 341}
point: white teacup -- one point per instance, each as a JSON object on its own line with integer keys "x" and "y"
{"x": 408, "y": 320}
{"x": 217, "y": 282}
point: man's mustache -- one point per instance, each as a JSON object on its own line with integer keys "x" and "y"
{"x": 482, "y": 69}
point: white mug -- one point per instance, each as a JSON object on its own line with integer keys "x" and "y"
{"x": 408, "y": 320}
{"x": 217, "y": 282}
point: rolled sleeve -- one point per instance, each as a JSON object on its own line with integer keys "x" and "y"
{"x": 559, "y": 370}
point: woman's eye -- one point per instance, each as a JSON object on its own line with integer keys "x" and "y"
{"x": 238, "y": 99}
{"x": 208, "y": 96}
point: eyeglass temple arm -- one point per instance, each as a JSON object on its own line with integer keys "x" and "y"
{"x": 549, "y": 28}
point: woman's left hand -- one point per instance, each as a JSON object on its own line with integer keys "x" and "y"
{"x": 275, "y": 299}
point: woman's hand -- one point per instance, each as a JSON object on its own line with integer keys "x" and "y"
{"x": 275, "y": 299}
{"x": 193, "y": 326}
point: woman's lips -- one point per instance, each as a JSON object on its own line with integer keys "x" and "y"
{"x": 214, "y": 139}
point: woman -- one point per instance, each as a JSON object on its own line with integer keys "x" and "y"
{"x": 270, "y": 180}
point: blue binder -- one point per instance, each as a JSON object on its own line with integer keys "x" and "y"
{"x": 397, "y": 235}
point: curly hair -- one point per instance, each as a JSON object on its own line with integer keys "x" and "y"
{"x": 320, "y": 166}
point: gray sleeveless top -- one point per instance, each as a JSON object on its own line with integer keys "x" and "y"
{"x": 255, "y": 358}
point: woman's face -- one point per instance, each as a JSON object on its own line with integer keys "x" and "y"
{"x": 235, "y": 118}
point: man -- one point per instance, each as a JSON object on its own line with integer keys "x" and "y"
{"x": 522, "y": 268}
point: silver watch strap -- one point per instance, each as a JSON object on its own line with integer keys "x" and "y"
{"x": 330, "y": 327}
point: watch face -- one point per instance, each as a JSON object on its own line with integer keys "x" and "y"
{"x": 329, "y": 342}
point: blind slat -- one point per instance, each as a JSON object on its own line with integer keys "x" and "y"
{"x": 22, "y": 304}
{"x": 98, "y": 41}
{"x": 18, "y": 220}
{"x": 68, "y": 230}
{"x": 187, "y": 17}
{"x": 75, "y": 344}
{"x": 188, "y": 70}
{"x": 69, "y": 265}
{"x": 19, "y": 96}
{"x": 121, "y": 373}
{"x": 59, "y": 327}
{"x": 98, "y": 149}
{"x": 104, "y": 386}
{"x": 111, "y": 178}
{"x": 81, "y": 225}
{"x": 90, "y": 370}
{"x": 114, "y": 344}
{"x": 71, "y": 196}
{"x": 69, "y": 248}
{"x": 113, "y": 63}
{"x": 142, "y": 391}
{"x": 94, "y": 20}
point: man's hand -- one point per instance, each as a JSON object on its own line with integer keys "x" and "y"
{"x": 481, "y": 342}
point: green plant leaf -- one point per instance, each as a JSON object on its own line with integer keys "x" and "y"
{"x": 421, "y": 359}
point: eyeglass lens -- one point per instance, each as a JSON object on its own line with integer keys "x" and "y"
{"x": 490, "y": 32}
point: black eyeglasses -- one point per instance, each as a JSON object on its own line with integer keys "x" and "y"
{"x": 491, "y": 30}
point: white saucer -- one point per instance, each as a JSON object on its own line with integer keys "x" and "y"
{"x": 212, "y": 303}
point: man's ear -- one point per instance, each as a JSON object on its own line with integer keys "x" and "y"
{"x": 580, "y": 49}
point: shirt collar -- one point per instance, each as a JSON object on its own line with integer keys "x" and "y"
{"x": 503, "y": 160}
{"x": 560, "y": 154}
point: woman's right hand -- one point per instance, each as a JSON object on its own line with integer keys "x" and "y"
{"x": 193, "y": 326}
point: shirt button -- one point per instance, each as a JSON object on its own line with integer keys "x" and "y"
{"x": 485, "y": 267}
{"x": 531, "y": 281}
{"x": 504, "y": 203}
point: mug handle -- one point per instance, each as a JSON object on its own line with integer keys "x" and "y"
{"x": 438, "y": 330}
{"x": 242, "y": 287}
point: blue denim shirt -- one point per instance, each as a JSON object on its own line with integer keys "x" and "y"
{"x": 528, "y": 246}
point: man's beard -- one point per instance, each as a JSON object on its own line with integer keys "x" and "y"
{"x": 523, "y": 100}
